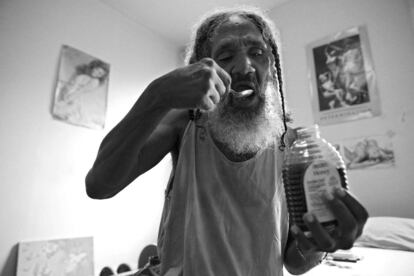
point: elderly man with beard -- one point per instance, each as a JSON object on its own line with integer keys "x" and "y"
{"x": 225, "y": 212}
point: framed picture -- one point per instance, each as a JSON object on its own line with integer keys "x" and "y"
{"x": 81, "y": 89}
{"x": 370, "y": 152}
{"x": 69, "y": 257}
{"x": 342, "y": 78}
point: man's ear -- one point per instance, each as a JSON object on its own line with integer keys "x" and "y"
{"x": 273, "y": 72}
{"x": 272, "y": 66}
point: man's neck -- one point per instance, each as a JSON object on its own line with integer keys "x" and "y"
{"x": 231, "y": 155}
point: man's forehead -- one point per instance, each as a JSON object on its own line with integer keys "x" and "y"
{"x": 235, "y": 41}
{"x": 237, "y": 30}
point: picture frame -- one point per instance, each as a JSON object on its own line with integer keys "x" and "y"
{"x": 68, "y": 256}
{"x": 342, "y": 78}
{"x": 81, "y": 89}
{"x": 368, "y": 152}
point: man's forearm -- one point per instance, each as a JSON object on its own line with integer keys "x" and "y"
{"x": 298, "y": 262}
{"x": 117, "y": 158}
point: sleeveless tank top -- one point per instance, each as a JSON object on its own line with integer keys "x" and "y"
{"x": 222, "y": 218}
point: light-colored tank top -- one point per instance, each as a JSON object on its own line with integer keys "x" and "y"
{"x": 223, "y": 218}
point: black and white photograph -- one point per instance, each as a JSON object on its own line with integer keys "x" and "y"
{"x": 343, "y": 78}
{"x": 72, "y": 256}
{"x": 371, "y": 152}
{"x": 81, "y": 89}
{"x": 206, "y": 138}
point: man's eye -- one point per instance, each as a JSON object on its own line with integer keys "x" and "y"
{"x": 257, "y": 52}
{"x": 224, "y": 57}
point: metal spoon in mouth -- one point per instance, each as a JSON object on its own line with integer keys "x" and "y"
{"x": 241, "y": 94}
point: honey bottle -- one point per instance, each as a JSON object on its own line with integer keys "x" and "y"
{"x": 312, "y": 167}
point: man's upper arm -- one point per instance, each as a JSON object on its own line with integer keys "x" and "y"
{"x": 165, "y": 139}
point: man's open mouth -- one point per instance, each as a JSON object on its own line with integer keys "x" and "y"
{"x": 243, "y": 93}
{"x": 243, "y": 85}
{"x": 244, "y": 90}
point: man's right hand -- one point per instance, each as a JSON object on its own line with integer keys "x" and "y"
{"x": 198, "y": 85}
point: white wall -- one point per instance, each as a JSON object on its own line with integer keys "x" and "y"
{"x": 43, "y": 161}
{"x": 411, "y": 7}
{"x": 390, "y": 33}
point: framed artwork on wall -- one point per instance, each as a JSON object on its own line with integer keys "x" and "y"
{"x": 81, "y": 89}
{"x": 369, "y": 152}
{"x": 66, "y": 257}
{"x": 342, "y": 78}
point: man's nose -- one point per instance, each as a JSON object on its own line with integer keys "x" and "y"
{"x": 242, "y": 65}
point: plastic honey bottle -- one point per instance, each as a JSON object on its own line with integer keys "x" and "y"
{"x": 312, "y": 166}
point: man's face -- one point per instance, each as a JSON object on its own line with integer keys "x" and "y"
{"x": 250, "y": 123}
{"x": 239, "y": 48}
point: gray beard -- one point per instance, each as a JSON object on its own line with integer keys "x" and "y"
{"x": 248, "y": 131}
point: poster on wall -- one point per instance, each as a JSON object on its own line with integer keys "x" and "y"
{"x": 370, "y": 152}
{"x": 81, "y": 89}
{"x": 342, "y": 78}
{"x": 65, "y": 257}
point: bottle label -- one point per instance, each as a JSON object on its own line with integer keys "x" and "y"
{"x": 320, "y": 177}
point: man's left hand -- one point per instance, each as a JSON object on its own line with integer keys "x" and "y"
{"x": 351, "y": 217}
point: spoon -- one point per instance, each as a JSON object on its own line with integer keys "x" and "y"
{"x": 242, "y": 94}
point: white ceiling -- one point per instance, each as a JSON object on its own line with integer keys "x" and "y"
{"x": 173, "y": 19}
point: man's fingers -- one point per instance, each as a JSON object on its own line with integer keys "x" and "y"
{"x": 340, "y": 210}
{"x": 303, "y": 243}
{"x": 224, "y": 77}
{"x": 218, "y": 85}
{"x": 206, "y": 104}
{"x": 359, "y": 213}
{"x": 214, "y": 95}
{"x": 221, "y": 73}
{"x": 208, "y": 61}
{"x": 347, "y": 228}
{"x": 320, "y": 235}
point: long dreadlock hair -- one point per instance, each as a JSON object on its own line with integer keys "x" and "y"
{"x": 200, "y": 46}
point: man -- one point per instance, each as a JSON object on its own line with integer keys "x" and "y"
{"x": 225, "y": 211}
